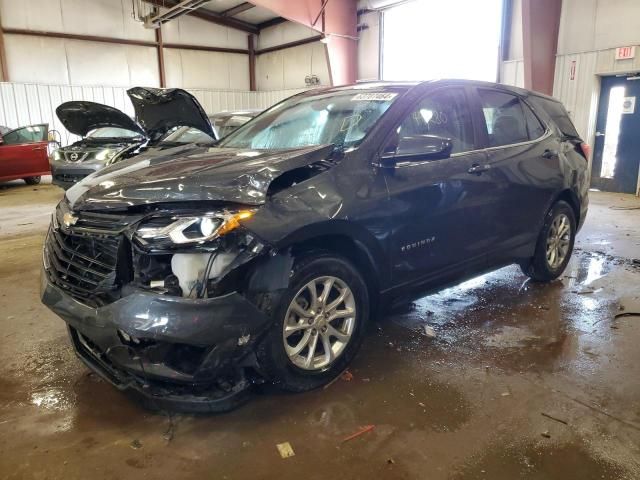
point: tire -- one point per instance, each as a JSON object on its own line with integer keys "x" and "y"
{"x": 32, "y": 180}
{"x": 541, "y": 267}
{"x": 285, "y": 368}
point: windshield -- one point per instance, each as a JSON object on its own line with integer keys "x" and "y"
{"x": 223, "y": 126}
{"x": 341, "y": 118}
{"x": 186, "y": 135}
{"x": 112, "y": 132}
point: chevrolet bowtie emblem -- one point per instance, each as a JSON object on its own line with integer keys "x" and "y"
{"x": 69, "y": 219}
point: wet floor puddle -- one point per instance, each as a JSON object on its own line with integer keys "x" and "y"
{"x": 543, "y": 462}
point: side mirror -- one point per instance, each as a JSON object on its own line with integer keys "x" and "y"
{"x": 423, "y": 147}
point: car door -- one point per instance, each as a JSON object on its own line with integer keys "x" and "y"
{"x": 441, "y": 210}
{"x": 23, "y": 152}
{"x": 524, "y": 153}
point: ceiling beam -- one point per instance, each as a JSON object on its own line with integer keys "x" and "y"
{"x": 233, "y": 11}
{"x": 73, "y": 36}
{"x": 271, "y": 23}
{"x": 181, "y": 8}
{"x": 210, "y": 16}
{"x": 284, "y": 46}
{"x": 123, "y": 41}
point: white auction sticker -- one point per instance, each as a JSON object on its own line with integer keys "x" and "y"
{"x": 378, "y": 97}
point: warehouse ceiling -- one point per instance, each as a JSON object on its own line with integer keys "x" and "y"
{"x": 244, "y": 11}
{"x": 232, "y": 13}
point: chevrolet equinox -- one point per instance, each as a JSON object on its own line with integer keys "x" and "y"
{"x": 187, "y": 275}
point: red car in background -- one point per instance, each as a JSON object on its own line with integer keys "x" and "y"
{"x": 23, "y": 154}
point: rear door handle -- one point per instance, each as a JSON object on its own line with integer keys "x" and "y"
{"x": 477, "y": 169}
{"x": 35, "y": 149}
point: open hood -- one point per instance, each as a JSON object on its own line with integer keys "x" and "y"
{"x": 202, "y": 173}
{"x": 80, "y": 117}
{"x": 159, "y": 110}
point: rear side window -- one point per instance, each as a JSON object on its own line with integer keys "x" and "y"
{"x": 505, "y": 118}
{"x": 535, "y": 129}
{"x": 558, "y": 114}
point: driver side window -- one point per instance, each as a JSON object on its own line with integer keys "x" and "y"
{"x": 443, "y": 114}
{"x": 30, "y": 134}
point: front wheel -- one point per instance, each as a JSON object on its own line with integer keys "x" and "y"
{"x": 318, "y": 325}
{"x": 32, "y": 180}
{"x": 555, "y": 244}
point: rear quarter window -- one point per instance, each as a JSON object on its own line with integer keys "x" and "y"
{"x": 558, "y": 114}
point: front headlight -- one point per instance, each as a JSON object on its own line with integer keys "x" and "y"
{"x": 55, "y": 156}
{"x": 106, "y": 154}
{"x": 181, "y": 230}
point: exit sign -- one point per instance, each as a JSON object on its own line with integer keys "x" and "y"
{"x": 625, "y": 53}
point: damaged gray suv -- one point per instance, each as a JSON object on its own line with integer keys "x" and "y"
{"x": 186, "y": 276}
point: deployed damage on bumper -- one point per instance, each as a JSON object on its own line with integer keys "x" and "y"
{"x": 168, "y": 299}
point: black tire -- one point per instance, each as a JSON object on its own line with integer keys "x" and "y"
{"x": 538, "y": 268}
{"x": 272, "y": 357}
{"x": 32, "y": 180}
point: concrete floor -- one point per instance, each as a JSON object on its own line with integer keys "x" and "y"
{"x": 522, "y": 381}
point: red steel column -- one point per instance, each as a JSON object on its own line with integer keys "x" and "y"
{"x": 160, "y": 51}
{"x": 540, "y": 25}
{"x": 252, "y": 63}
{"x": 340, "y": 20}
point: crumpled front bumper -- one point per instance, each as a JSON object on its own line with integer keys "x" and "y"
{"x": 133, "y": 341}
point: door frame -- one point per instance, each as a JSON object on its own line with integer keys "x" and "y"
{"x": 593, "y": 116}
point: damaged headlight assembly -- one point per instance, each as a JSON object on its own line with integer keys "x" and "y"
{"x": 195, "y": 247}
{"x": 186, "y": 230}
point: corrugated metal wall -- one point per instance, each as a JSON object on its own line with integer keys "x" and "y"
{"x": 512, "y": 73}
{"x": 26, "y": 104}
{"x": 578, "y": 85}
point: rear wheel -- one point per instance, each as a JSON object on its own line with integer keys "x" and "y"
{"x": 318, "y": 325}
{"x": 555, "y": 244}
{"x": 32, "y": 180}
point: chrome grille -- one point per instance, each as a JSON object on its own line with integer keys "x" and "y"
{"x": 75, "y": 156}
{"x": 81, "y": 264}
{"x": 83, "y": 258}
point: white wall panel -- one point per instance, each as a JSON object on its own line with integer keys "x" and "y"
{"x": 188, "y": 30}
{"x": 25, "y": 104}
{"x": 238, "y": 68}
{"x": 284, "y": 69}
{"x": 215, "y": 70}
{"x": 284, "y": 33}
{"x": 369, "y": 47}
{"x": 516, "y": 44}
{"x": 580, "y": 95}
{"x": 32, "y": 59}
{"x": 32, "y": 15}
{"x": 270, "y": 71}
{"x": 590, "y": 25}
{"x": 109, "y": 18}
{"x": 512, "y": 73}
{"x": 93, "y": 63}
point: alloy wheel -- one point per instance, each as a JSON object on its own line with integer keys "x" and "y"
{"x": 319, "y": 323}
{"x": 558, "y": 241}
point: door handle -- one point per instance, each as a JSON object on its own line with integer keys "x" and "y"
{"x": 550, "y": 154}
{"x": 599, "y": 134}
{"x": 35, "y": 149}
{"x": 477, "y": 169}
